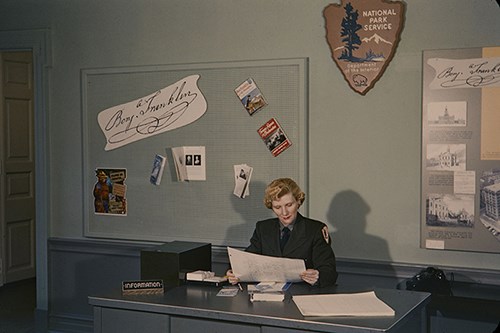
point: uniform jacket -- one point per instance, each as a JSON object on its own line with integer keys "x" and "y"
{"x": 306, "y": 242}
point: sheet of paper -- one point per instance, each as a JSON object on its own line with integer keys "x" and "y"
{"x": 194, "y": 158}
{"x": 180, "y": 168}
{"x": 357, "y": 304}
{"x": 228, "y": 292}
{"x": 251, "y": 267}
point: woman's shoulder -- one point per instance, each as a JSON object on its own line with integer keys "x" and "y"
{"x": 266, "y": 222}
{"x": 312, "y": 222}
{"x": 267, "y": 225}
{"x": 315, "y": 227}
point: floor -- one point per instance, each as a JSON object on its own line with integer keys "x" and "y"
{"x": 17, "y": 306}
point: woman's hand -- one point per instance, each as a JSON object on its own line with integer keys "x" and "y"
{"x": 231, "y": 277}
{"x": 310, "y": 276}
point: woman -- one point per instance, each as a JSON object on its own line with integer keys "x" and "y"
{"x": 291, "y": 235}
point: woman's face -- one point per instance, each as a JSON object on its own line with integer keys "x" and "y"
{"x": 286, "y": 208}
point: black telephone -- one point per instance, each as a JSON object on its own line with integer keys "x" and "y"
{"x": 432, "y": 280}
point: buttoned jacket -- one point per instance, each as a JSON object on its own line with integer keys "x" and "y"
{"x": 308, "y": 241}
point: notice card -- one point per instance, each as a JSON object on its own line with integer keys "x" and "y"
{"x": 364, "y": 304}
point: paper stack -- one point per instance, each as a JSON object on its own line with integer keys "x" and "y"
{"x": 199, "y": 275}
{"x": 205, "y": 276}
{"x": 356, "y": 304}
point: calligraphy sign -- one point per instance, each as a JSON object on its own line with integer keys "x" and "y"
{"x": 164, "y": 110}
{"x": 363, "y": 36}
{"x": 465, "y": 73}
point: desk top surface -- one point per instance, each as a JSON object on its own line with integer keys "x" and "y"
{"x": 201, "y": 301}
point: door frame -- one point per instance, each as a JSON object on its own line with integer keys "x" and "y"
{"x": 38, "y": 41}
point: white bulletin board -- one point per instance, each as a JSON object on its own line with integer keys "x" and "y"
{"x": 461, "y": 150}
{"x": 205, "y": 211}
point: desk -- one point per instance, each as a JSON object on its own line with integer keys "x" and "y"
{"x": 196, "y": 308}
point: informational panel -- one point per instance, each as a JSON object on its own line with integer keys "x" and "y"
{"x": 195, "y": 210}
{"x": 461, "y": 150}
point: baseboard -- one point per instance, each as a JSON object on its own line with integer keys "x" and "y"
{"x": 70, "y": 323}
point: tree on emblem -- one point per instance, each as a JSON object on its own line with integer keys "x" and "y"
{"x": 349, "y": 28}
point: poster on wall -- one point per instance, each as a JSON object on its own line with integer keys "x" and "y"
{"x": 110, "y": 192}
{"x": 460, "y": 199}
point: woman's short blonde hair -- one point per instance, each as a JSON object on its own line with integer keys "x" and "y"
{"x": 281, "y": 186}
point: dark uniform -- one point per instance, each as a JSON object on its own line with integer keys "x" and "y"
{"x": 308, "y": 241}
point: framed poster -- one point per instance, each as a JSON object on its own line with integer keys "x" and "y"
{"x": 460, "y": 197}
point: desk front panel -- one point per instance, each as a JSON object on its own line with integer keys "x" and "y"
{"x": 128, "y": 321}
{"x": 195, "y": 306}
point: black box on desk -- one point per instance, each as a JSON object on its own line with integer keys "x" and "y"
{"x": 171, "y": 261}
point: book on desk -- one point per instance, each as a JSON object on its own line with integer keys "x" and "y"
{"x": 268, "y": 291}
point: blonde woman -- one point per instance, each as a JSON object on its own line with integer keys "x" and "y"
{"x": 292, "y": 235}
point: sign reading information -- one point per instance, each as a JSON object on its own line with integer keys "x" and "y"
{"x": 363, "y": 36}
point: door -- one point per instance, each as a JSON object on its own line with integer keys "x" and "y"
{"x": 17, "y": 167}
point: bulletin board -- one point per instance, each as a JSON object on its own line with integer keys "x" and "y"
{"x": 204, "y": 211}
{"x": 461, "y": 150}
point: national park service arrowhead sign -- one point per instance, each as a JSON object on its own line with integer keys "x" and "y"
{"x": 363, "y": 36}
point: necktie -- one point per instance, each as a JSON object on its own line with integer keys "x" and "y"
{"x": 285, "y": 234}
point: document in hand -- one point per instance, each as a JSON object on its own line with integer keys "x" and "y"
{"x": 251, "y": 267}
{"x": 364, "y": 304}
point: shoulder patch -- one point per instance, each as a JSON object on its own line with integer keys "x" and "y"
{"x": 326, "y": 234}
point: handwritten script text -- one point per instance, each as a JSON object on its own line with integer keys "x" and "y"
{"x": 169, "y": 108}
{"x": 465, "y": 73}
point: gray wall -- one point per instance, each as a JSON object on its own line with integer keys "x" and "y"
{"x": 364, "y": 151}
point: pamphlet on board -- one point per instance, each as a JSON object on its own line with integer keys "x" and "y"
{"x": 250, "y": 96}
{"x": 274, "y": 137}
{"x": 158, "y": 167}
{"x": 242, "y": 176}
{"x": 189, "y": 163}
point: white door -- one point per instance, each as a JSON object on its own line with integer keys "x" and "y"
{"x": 17, "y": 167}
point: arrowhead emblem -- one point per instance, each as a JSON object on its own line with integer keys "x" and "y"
{"x": 363, "y": 36}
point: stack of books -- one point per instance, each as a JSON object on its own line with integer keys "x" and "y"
{"x": 268, "y": 291}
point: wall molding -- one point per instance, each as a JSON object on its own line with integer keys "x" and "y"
{"x": 344, "y": 265}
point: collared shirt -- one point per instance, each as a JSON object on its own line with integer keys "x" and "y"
{"x": 290, "y": 226}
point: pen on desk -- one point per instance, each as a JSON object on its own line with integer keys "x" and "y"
{"x": 239, "y": 286}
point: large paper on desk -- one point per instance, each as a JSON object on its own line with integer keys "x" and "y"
{"x": 251, "y": 267}
{"x": 358, "y": 304}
